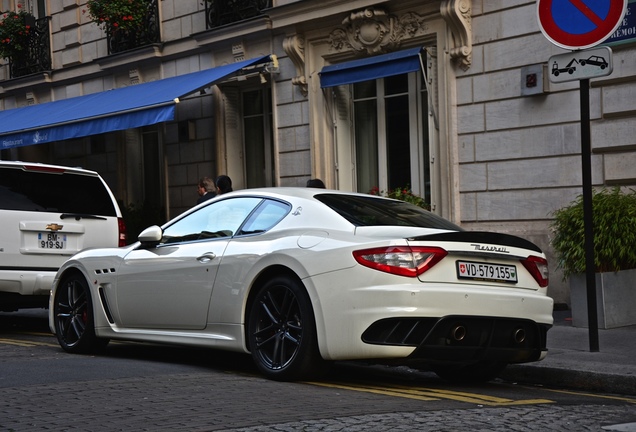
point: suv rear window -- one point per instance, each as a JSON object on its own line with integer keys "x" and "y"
{"x": 372, "y": 211}
{"x": 54, "y": 192}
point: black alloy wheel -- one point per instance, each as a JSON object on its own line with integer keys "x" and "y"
{"x": 74, "y": 320}
{"x": 282, "y": 331}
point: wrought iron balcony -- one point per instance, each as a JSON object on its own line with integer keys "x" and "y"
{"x": 37, "y": 56}
{"x": 146, "y": 34}
{"x": 222, "y": 12}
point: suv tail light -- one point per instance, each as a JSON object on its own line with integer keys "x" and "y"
{"x": 400, "y": 260}
{"x": 45, "y": 169}
{"x": 122, "y": 231}
{"x": 538, "y": 268}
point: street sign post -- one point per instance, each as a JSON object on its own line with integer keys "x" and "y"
{"x": 577, "y": 25}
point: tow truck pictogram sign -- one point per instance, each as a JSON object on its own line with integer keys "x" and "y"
{"x": 575, "y": 65}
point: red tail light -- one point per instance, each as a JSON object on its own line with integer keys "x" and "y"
{"x": 122, "y": 232}
{"x": 52, "y": 170}
{"x": 400, "y": 260}
{"x": 538, "y": 268}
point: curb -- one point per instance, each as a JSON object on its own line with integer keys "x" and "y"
{"x": 571, "y": 379}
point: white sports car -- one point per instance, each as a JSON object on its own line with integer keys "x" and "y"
{"x": 299, "y": 277}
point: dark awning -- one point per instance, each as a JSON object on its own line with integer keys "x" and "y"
{"x": 370, "y": 68}
{"x": 111, "y": 110}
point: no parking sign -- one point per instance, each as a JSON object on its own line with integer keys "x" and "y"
{"x": 579, "y": 24}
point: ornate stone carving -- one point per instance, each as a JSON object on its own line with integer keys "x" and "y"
{"x": 411, "y": 23}
{"x": 294, "y": 46}
{"x": 457, "y": 14}
{"x": 375, "y": 31}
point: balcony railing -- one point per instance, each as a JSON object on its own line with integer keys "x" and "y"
{"x": 222, "y": 12}
{"x": 147, "y": 33}
{"x": 37, "y": 57}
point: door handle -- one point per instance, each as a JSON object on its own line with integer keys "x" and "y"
{"x": 206, "y": 257}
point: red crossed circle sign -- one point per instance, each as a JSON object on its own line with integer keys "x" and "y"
{"x": 579, "y": 24}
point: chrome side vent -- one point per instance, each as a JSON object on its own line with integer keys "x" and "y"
{"x": 102, "y": 297}
{"x": 104, "y": 271}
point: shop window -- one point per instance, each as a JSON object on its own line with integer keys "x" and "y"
{"x": 390, "y": 135}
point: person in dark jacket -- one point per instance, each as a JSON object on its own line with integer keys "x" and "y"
{"x": 206, "y": 189}
{"x": 315, "y": 183}
{"x": 223, "y": 184}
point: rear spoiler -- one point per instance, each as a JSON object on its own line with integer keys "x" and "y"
{"x": 480, "y": 237}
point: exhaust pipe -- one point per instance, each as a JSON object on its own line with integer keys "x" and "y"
{"x": 458, "y": 332}
{"x": 519, "y": 335}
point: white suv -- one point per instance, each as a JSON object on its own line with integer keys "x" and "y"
{"x": 47, "y": 214}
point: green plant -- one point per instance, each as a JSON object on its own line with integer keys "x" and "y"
{"x": 402, "y": 194}
{"x": 14, "y": 33}
{"x": 113, "y": 15}
{"x": 614, "y": 225}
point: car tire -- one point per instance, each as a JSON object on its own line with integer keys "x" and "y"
{"x": 73, "y": 317}
{"x": 469, "y": 374}
{"x": 282, "y": 331}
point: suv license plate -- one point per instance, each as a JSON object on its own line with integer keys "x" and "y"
{"x": 486, "y": 272}
{"x": 51, "y": 241}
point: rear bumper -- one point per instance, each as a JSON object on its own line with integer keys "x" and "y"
{"x": 347, "y": 317}
{"x": 463, "y": 339}
{"x": 27, "y": 282}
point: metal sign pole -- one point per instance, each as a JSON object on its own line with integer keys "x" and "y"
{"x": 586, "y": 163}
{"x": 562, "y": 23}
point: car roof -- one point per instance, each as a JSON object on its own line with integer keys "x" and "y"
{"x": 293, "y": 192}
{"x": 42, "y": 167}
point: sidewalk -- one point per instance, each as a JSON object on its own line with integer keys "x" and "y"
{"x": 570, "y": 364}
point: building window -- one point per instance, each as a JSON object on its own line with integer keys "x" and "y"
{"x": 222, "y": 12}
{"x": 257, "y": 135}
{"x": 390, "y": 135}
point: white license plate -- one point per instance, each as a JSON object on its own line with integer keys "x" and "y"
{"x": 486, "y": 272}
{"x": 48, "y": 240}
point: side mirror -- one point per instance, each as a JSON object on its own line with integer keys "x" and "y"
{"x": 151, "y": 234}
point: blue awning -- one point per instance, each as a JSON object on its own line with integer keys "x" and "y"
{"x": 111, "y": 110}
{"x": 370, "y": 68}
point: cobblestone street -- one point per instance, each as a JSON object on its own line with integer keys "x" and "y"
{"x": 522, "y": 419}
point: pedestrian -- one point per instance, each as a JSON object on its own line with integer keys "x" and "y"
{"x": 223, "y": 184}
{"x": 206, "y": 189}
{"x": 315, "y": 183}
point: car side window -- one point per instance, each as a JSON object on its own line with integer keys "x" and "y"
{"x": 218, "y": 220}
{"x": 268, "y": 214}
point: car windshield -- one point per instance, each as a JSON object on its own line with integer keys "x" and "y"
{"x": 373, "y": 211}
{"x": 58, "y": 193}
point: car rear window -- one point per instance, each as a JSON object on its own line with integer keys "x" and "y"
{"x": 54, "y": 192}
{"x": 374, "y": 211}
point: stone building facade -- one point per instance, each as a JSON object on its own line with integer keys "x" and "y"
{"x": 467, "y": 130}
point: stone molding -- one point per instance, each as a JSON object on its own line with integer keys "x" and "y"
{"x": 294, "y": 47}
{"x": 457, "y": 14}
{"x": 375, "y": 31}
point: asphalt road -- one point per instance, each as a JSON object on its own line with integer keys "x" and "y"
{"x": 135, "y": 386}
